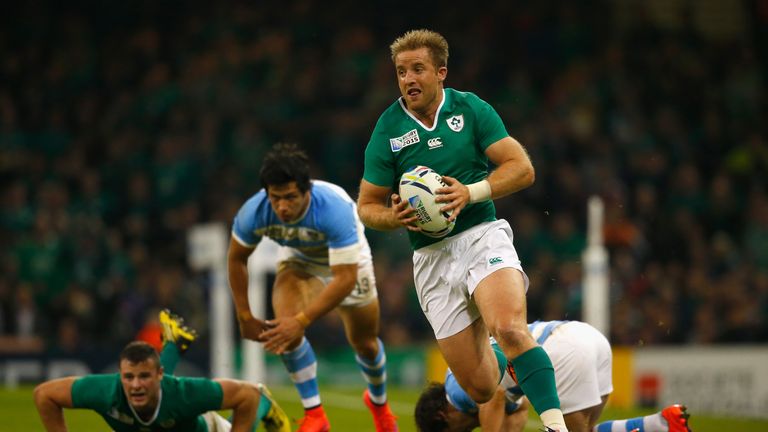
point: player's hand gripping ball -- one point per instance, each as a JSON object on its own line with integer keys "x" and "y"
{"x": 417, "y": 186}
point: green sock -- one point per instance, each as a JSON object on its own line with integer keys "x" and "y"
{"x": 169, "y": 357}
{"x": 501, "y": 359}
{"x": 536, "y": 377}
{"x": 264, "y": 407}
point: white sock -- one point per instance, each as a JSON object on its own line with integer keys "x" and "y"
{"x": 553, "y": 419}
{"x": 655, "y": 422}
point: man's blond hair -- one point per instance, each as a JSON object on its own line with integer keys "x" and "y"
{"x": 415, "y": 39}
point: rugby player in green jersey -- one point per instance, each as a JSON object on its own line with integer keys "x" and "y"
{"x": 145, "y": 396}
{"x": 470, "y": 282}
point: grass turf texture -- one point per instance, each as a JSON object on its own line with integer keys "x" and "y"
{"x": 344, "y": 407}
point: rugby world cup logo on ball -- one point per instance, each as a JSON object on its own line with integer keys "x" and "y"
{"x": 418, "y": 186}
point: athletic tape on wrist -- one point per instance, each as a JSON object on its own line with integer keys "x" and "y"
{"x": 480, "y": 191}
{"x": 302, "y": 318}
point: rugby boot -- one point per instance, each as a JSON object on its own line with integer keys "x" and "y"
{"x": 174, "y": 330}
{"x": 677, "y": 418}
{"x": 314, "y": 420}
{"x": 383, "y": 418}
{"x": 275, "y": 420}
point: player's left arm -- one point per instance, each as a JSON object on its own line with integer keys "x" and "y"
{"x": 516, "y": 420}
{"x": 51, "y": 397}
{"x": 514, "y": 172}
{"x": 344, "y": 244}
{"x": 243, "y": 399}
{"x": 288, "y": 329}
{"x": 491, "y": 413}
{"x": 340, "y": 286}
{"x": 493, "y": 417}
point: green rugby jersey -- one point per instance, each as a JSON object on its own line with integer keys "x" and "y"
{"x": 465, "y": 126}
{"x": 183, "y": 402}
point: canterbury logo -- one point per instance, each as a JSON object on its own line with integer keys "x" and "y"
{"x": 495, "y": 260}
{"x": 435, "y": 143}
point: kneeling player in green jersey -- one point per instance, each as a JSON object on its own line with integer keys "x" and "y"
{"x": 145, "y": 396}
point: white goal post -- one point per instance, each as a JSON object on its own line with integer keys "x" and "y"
{"x": 595, "y": 274}
{"x": 207, "y": 250}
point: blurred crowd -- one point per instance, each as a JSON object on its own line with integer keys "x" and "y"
{"x": 124, "y": 124}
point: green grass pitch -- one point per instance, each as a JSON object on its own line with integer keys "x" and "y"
{"x": 344, "y": 406}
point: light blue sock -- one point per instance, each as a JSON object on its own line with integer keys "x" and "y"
{"x": 650, "y": 423}
{"x": 375, "y": 374}
{"x": 302, "y": 367}
{"x": 264, "y": 406}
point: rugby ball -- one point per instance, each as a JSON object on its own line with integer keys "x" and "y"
{"x": 417, "y": 186}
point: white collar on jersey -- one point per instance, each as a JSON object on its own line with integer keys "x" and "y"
{"x": 410, "y": 114}
{"x": 154, "y": 416}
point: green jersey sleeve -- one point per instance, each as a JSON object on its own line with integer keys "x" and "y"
{"x": 96, "y": 392}
{"x": 488, "y": 125}
{"x": 196, "y": 395}
{"x": 379, "y": 167}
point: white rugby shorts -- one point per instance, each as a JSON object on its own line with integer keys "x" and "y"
{"x": 365, "y": 287}
{"x": 216, "y": 423}
{"x": 446, "y": 273}
{"x": 582, "y": 359}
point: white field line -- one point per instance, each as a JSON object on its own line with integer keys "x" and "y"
{"x": 341, "y": 400}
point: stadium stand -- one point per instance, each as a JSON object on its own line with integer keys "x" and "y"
{"x": 121, "y": 129}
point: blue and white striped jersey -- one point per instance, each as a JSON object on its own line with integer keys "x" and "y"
{"x": 329, "y": 228}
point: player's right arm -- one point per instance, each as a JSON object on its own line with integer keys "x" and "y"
{"x": 51, "y": 397}
{"x": 243, "y": 399}
{"x": 374, "y": 212}
{"x": 373, "y": 199}
{"x": 237, "y": 270}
